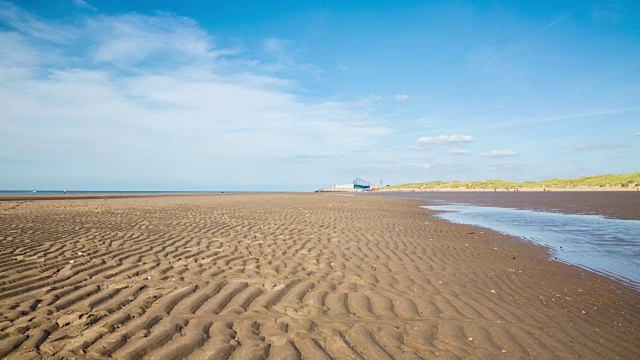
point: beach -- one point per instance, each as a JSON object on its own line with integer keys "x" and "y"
{"x": 290, "y": 276}
{"x": 610, "y": 204}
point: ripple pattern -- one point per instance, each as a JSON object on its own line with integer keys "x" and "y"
{"x": 290, "y": 277}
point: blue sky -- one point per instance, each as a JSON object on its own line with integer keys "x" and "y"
{"x": 297, "y": 95}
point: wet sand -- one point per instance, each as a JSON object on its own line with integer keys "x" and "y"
{"x": 291, "y": 276}
{"x": 612, "y": 204}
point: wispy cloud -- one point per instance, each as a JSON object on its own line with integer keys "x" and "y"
{"x": 423, "y": 163}
{"x": 430, "y": 165}
{"x": 601, "y": 146}
{"x": 506, "y": 166}
{"x": 142, "y": 87}
{"x": 550, "y": 24}
{"x": 459, "y": 152}
{"x": 519, "y": 122}
{"x": 277, "y": 53}
{"x": 443, "y": 140}
{"x": 309, "y": 158}
{"x": 83, "y": 4}
{"x": 579, "y": 115}
{"x": 499, "y": 153}
{"x": 275, "y": 45}
{"x": 488, "y": 59}
{"x": 32, "y": 26}
{"x": 134, "y": 39}
{"x": 401, "y": 97}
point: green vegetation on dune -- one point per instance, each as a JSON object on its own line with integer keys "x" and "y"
{"x": 603, "y": 181}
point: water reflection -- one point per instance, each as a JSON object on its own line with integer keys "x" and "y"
{"x": 608, "y": 246}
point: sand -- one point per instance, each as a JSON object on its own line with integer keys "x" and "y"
{"x": 613, "y": 205}
{"x": 291, "y": 276}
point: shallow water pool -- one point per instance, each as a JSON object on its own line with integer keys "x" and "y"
{"x": 607, "y": 246}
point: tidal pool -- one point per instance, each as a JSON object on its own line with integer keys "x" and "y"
{"x": 607, "y": 246}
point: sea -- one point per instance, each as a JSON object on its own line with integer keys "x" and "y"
{"x": 108, "y": 192}
{"x": 597, "y": 231}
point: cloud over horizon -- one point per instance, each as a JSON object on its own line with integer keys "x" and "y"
{"x": 459, "y": 152}
{"x": 506, "y": 166}
{"x": 444, "y": 139}
{"x": 139, "y": 87}
{"x": 499, "y": 153}
{"x": 175, "y": 95}
{"x": 600, "y": 146}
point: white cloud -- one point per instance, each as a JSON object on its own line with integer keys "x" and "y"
{"x": 499, "y": 153}
{"x": 21, "y": 56}
{"x": 83, "y": 4}
{"x": 275, "y": 45}
{"x": 279, "y": 59}
{"x": 402, "y": 163}
{"x": 505, "y": 166}
{"x": 425, "y": 166}
{"x": 152, "y": 96}
{"x": 459, "y": 152}
{"x": 602, "y": 146}
{"x": 401, "y": 97}
{"x": 637, "y": 134}
{"x": 435, "y": 165}
{"x": 32, "y": 26}
{"x": 444, "y": 139}
{"x": 150, "y": 40}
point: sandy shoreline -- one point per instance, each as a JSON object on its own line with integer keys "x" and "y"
{"x": 611, "y": 204}
{"x": 287, "y": 276}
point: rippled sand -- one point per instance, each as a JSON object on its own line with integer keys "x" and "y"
{"x": 287, "y": 277}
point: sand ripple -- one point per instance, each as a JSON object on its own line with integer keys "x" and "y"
{"x": 290, "y": 277}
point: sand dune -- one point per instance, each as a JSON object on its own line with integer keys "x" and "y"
{"x": 290, "y": 277}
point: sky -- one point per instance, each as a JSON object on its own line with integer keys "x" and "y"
{"x": 299, "y": 95}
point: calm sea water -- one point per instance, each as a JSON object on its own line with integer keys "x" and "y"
{"x": 96, "y": 192}
{"x": 607, "y": 246}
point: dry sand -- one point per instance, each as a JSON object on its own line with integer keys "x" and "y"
{"x": 291, "y": 276}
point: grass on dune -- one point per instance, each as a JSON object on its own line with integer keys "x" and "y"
{"x": 603, "y": 181}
